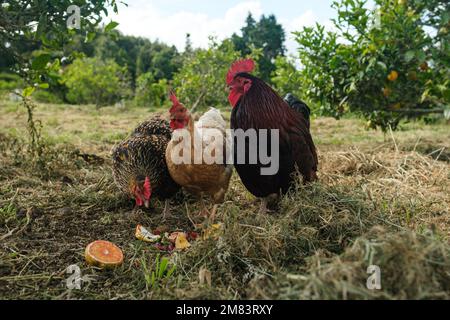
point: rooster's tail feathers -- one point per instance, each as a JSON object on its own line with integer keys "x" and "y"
{"x": 298, "y": 105}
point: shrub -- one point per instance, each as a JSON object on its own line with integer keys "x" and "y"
{"x": 91, "y": 80}
{"x": 9, "y": 82}
{"x": 201, "y": 80}
{"x": 381, "y": 62}
{"x": 286, "y": 78}
{"x": 150, "y": 92}
{"x": 45, "y": 96}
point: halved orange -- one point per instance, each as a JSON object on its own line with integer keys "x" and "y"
{"x": 103, "y": 254}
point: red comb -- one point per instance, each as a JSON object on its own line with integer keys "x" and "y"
{"x": 173, "y": 98}
{"x": 245, "y": 65}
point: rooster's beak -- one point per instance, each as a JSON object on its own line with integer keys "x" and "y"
{"x": 147, "y": 203}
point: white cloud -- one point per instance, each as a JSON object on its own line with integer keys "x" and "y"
{"x": 143, "y": 19}
{"x": 307, "y": 19}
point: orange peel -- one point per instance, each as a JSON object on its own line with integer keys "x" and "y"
{"x": 145, "y": 235}
{"x": 181, "y": 241}
{"x": 103, "y": 254}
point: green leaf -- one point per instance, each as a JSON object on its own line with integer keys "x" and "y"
{"x": 40, "y": 62}
{"x": 382, "y": 65}
{"x": 111, "y": 26}
{"x": 172, "y": 270}
{"x": 42, "y": 25}
{"x": 425, "y": 95}
{"x": 28, "y": 91}
{"x": 421, "y": 56}
{"x": 90, "y": 36}
{"x": 409, "y": 55}
{"x": 44, "y": 85}
{"x": 163, "y": 267}
{"x": 447, "y": 114}
{"x": 445, "y": 17}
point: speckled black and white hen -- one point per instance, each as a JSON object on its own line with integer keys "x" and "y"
{"x": 139, "y": 165}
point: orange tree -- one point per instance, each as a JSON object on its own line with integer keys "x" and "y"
{"x": 388, "y": 63}
{"x": 33, "y": 36}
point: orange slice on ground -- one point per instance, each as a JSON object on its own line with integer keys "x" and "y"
{"x": 103, "y": 254}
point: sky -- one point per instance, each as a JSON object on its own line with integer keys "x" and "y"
{"x": 170, "y": 20}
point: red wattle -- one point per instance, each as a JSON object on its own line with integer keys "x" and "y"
{"x": 234, "y": 97}
{"x": 147, "y": 189}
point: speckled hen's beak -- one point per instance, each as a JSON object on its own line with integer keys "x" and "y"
{"x": 147, "y": 203}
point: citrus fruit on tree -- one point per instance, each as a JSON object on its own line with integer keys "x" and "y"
{"x": 393, "y": 75}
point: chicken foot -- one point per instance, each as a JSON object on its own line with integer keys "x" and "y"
{"x": 212, "y": 215}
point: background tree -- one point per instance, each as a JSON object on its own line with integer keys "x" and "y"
{"x": 325, "y": 64}
{"x": 382, "y": 62}
{"x": 159, "y": 59}
{"x": 266, "y": 34}
{"x": 150, "y": 92}
{"x": 188, "y": 45}
{"x": 286, "y": 77}
{"x": 200, "y": 82}
{"x": 92, "y": 80}
{"x": 43, "y": 26}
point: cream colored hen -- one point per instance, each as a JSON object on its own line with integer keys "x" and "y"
{"x": 208, "y": 174}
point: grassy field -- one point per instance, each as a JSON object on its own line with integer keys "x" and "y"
{"x": 381, "y": 200}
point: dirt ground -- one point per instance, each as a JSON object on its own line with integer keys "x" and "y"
{"x": 382, "y": 199}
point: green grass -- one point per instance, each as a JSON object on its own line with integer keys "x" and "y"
{"x": 380, "y": 199}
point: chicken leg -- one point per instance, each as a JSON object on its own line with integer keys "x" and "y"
{"x": 212, "y": 216}
{"x": 263, "y": 206}
{"x": 265, "y": 201}
{"x": 166, "y": 211}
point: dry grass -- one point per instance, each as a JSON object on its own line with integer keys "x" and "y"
{"x": 412, "y": 266}
{"x": 380, "y": 200}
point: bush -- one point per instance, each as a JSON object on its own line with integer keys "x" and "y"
{"x": 150, "y": 92}
{"x": 381, "y": 63}
{"x": 9, "y": 82}
{"x": 201, "y": 80}
{"x": 91, "y": 80}
{"x": 286, "y": 78}
{"x": 45, "y": 96}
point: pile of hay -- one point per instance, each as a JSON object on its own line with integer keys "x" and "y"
{"x": 412, "y": 267}
{"x": 410, "y": 187}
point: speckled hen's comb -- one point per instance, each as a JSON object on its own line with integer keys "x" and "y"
{"x": 246, "y": 65}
